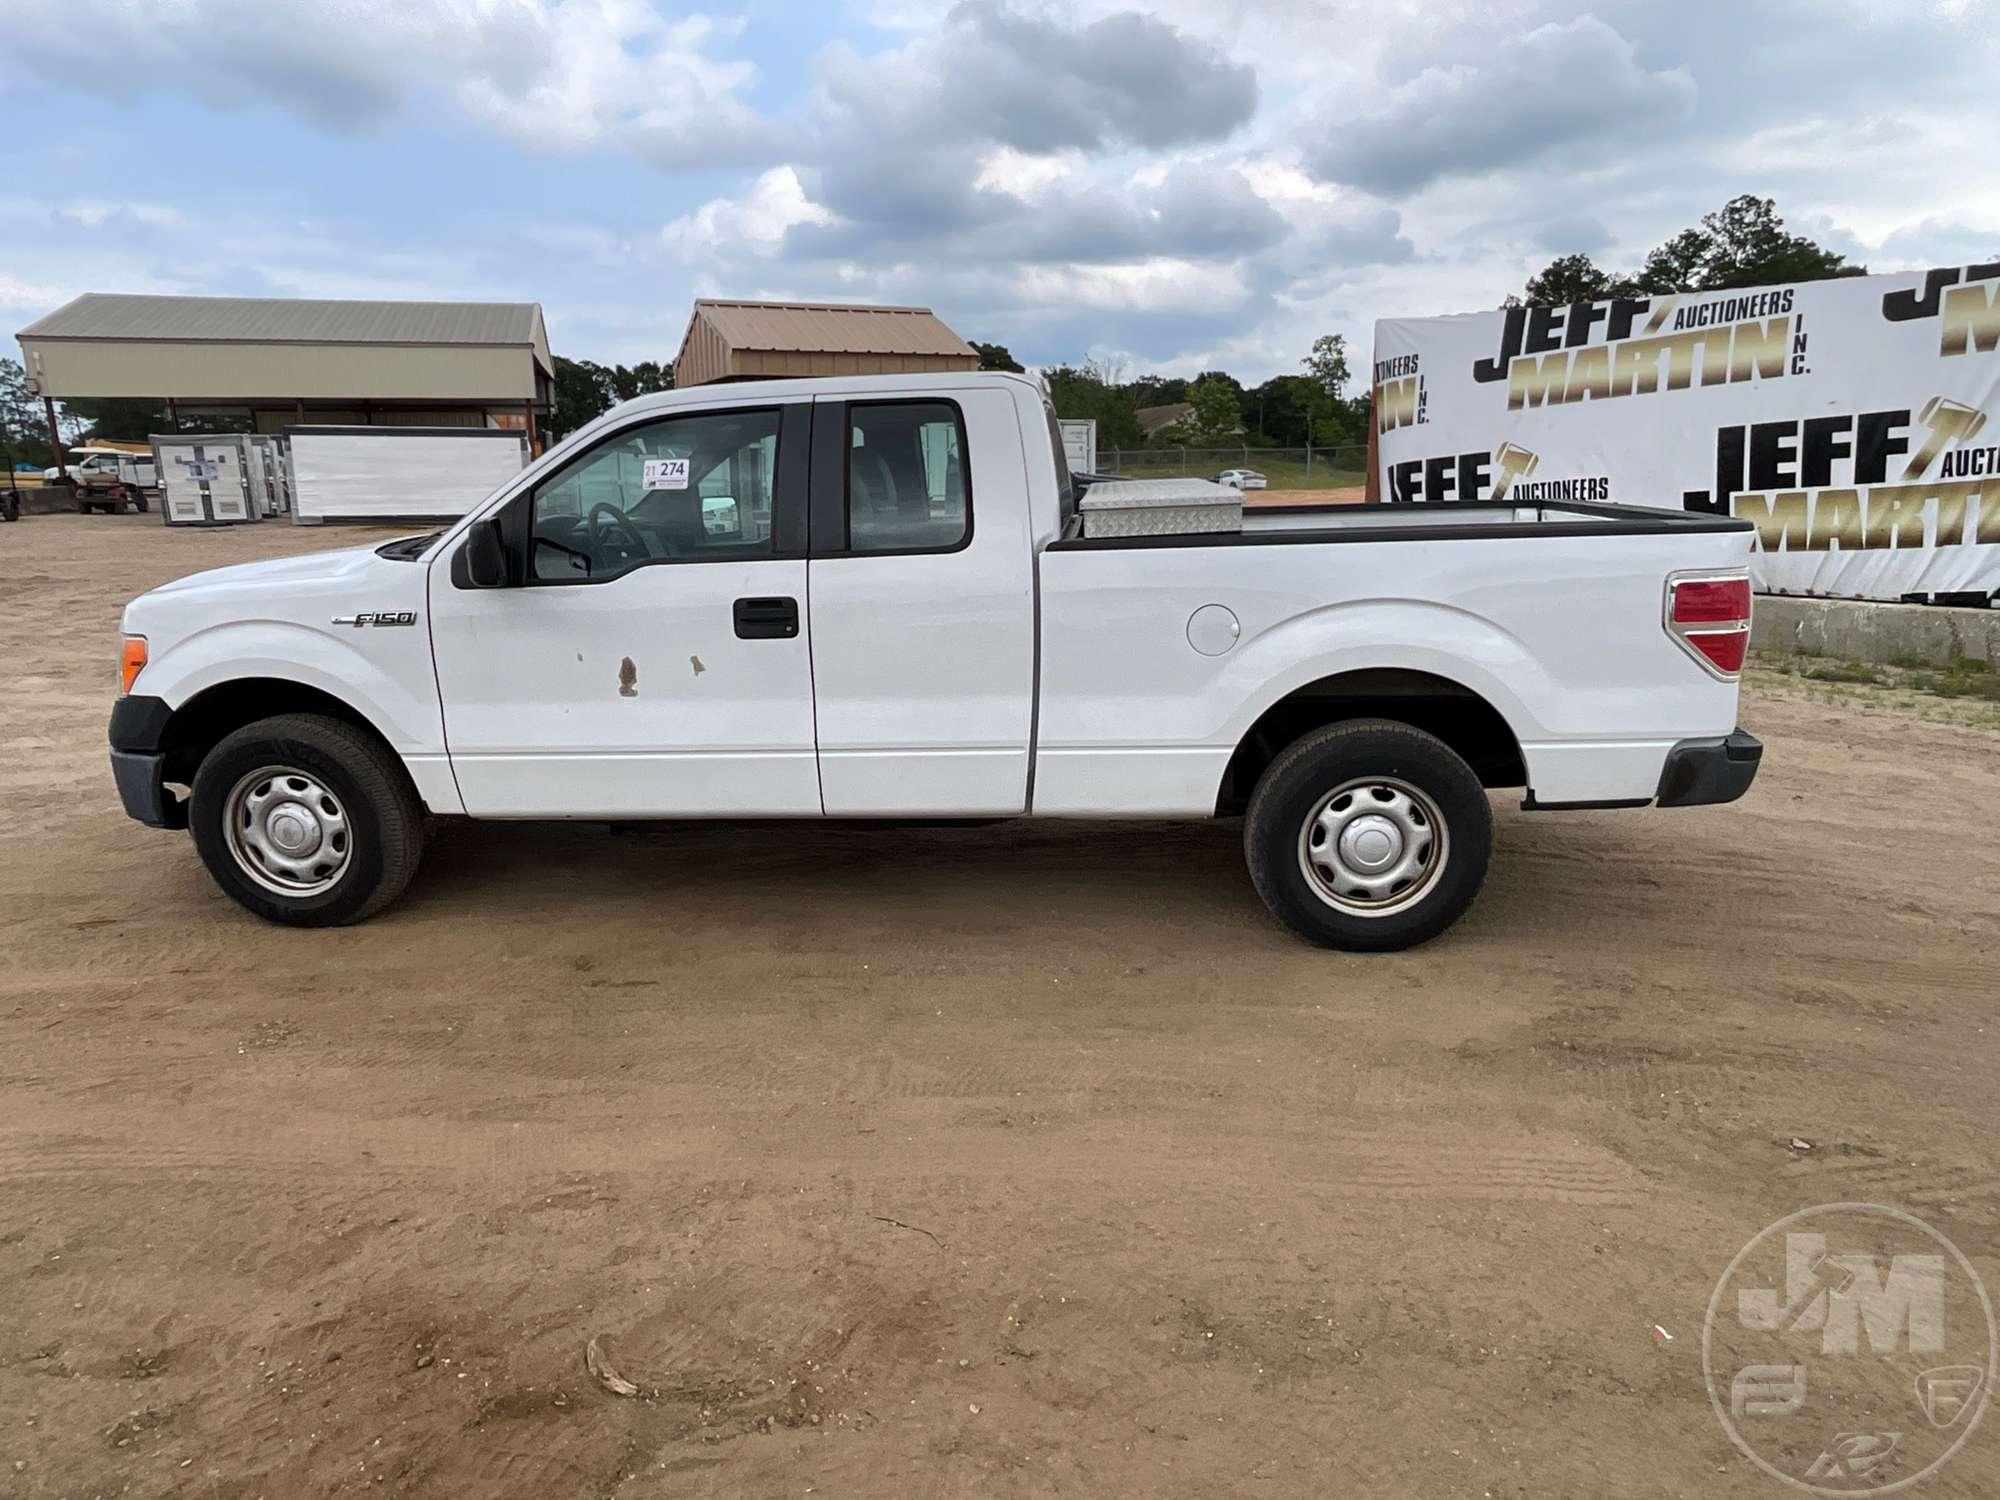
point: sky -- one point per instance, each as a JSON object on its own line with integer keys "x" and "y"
{"x": 1173, "y": 188}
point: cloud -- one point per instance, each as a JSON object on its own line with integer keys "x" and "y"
{"x": 1575, "y": 88}
{"x": 545, "y": 73}
{"x": 1192, "y": 210}
{"x": 1183, "y": 183}
{"x": 995, "y": 75}
{"x": 1942, "y": 242}
{"x": 755, "y": 223}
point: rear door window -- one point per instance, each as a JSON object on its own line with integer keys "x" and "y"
{"x": 907, "y": 483}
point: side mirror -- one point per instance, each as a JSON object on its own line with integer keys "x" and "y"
{"x": 485, "y": 556}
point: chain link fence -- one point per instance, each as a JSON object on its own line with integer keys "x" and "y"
{"x": 1309, "y": 468}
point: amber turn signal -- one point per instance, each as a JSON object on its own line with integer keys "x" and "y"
{"x": 131, "y": 661}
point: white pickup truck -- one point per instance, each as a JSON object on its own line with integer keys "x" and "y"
{"x": 874, "y": 597}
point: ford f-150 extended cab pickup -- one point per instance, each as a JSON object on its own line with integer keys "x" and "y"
{"x": 876, "y": 597}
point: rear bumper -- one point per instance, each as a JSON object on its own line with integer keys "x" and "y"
{"x": 1702, "y": 772}
{"x": 138, "y": 765}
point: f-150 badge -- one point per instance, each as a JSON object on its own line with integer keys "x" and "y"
{"x": 396, "y": 617}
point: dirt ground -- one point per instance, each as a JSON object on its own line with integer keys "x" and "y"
{"x": 1021, "y": 1160}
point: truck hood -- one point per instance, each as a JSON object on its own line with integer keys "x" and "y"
{"x": 345, "y": 564}
{"x": 304, "y": 590}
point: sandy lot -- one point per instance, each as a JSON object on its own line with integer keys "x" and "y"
{"x": 1018, "y": 1160}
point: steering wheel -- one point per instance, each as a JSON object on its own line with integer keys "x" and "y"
{"x": 619, "y": 534}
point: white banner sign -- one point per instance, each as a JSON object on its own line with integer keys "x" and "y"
{"x": 1856, "y": 421}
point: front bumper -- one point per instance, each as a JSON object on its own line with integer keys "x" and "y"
{"x": 138, "y": 764}
{"x": 1701, "y": 772}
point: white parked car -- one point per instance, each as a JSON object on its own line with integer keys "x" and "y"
{"x": 922, "y": 626}
{"x": 1241, "y": 479}
{"x": 99, "y": 480}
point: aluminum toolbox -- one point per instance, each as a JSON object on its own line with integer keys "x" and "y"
{"x": 1159, "y": 507}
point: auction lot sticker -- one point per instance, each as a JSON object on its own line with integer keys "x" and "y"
{"x": 1849, "y": 1349}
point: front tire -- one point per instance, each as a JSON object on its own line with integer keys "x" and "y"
{"x": 307, "y": 821}
{"x": 1368, "y": 835}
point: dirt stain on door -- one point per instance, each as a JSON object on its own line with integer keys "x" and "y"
{"x": 628, "y": 679}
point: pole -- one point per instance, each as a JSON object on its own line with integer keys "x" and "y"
{"x": 173, "y": 415}
{"x": 534, "y": 435}
{"x": 1371, "y": 490}
{"x": 55, "y": 435}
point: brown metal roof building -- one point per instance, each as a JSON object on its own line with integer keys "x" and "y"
{"x": 752, "y": 340}
{"x": 285, "y": 360}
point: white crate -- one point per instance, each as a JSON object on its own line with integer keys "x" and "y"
{"x": 202, "y": 480}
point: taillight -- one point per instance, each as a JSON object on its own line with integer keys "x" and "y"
{"x": 1710, "y": 617}
{"x": 131, "y": 661}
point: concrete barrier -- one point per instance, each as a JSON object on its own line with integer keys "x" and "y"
{"x": 45, "y": 499}
{"x": 1892, "y": 634}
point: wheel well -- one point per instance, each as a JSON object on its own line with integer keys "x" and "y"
{"x": 1455, "y": 714}
{"x": 199, "y": 724}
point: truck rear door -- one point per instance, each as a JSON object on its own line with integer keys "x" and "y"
{"x": 921, "y": 580}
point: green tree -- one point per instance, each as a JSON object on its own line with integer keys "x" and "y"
{"x": 1279, "y": 412}
{"x": 583, "y": 393}
{"x": 1217, "y": 416}
{"x": 1327, "y": 364}
{"x": 641, "y": 379}
{"x": 1745, "y": 243}
{"x": 119, "y": 419}
{"x": 1573, "y": 278}
{"x": 1158, "y": 390}
{"x": 1079, "y": 392}
{"x": 996, "y": 357}
{"x": 23, "y": 433}
{"x": 1742, "y": 244}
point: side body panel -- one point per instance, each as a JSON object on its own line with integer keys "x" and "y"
{"x": 275, "y": 620}
{"x": 1562, "y": 635}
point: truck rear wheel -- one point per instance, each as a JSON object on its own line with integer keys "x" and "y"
{"x": 307, "y": 821}
{"x": 1368, "y": 835}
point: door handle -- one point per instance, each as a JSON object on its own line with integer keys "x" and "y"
{"x": 766, "y": 619}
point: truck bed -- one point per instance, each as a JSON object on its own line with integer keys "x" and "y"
{"x": 1552, "y": 614}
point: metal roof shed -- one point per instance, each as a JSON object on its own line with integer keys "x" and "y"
{"x": 729, "y": 340}
{"x": 285, "y": 359}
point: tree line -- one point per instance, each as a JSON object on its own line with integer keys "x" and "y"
{"x": 1286, "y": 411}
{"x": 1744, "y": 243}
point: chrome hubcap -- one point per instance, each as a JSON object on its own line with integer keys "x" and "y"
{"x": 1373, "y": 846}
{"x": 287, "y": 831}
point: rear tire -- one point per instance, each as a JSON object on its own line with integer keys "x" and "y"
{"x": 1368, "y": 835}
{"x": 307, "y": 821}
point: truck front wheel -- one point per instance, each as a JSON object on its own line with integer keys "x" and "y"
{"x": 1369, "y": 835}
{"x": 306, "y": 820}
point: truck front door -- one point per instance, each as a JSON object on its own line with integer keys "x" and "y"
{"x": 652, "y": 660}
{"x": 923, "y": 604}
